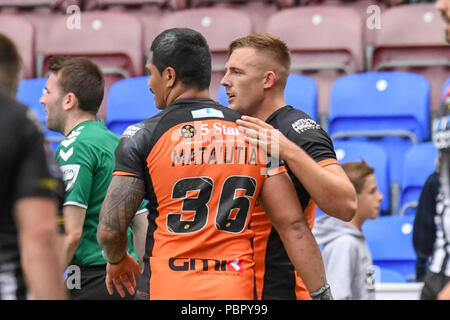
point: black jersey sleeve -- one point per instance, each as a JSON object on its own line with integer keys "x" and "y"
{"x": 130, "y": 153}
{"x": 315, "y": 142}
{"x": 308, "y": 135}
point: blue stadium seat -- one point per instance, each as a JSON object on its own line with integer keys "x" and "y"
{"x": 380, "y": 102}
{"x": 129, "y": 101}
{"x": 391, "y": 276}
{"x": 29, "y": 93}
{"x": 390, "y": 242}
{"x": 420, "y": 48}
{"x": 222, "y": 97}
{"x": 319, "y": 213}
{"x": 300, "y": 92}
{"x": 375, "y": 156}
{"x": 420, "y": 162}
{"x": 390, "y": 109}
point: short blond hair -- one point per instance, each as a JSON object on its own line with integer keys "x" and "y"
{"x": 267, "y": 43}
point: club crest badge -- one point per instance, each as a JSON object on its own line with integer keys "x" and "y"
{"x": 188, "y": 131}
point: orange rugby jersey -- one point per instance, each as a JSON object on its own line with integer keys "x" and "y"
{"x": 202, "y": 181}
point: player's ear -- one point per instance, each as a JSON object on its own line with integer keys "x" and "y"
{"x": 170, "y": 76}
{"x": 70, "y": 100}
{"x": 270, "y": 79}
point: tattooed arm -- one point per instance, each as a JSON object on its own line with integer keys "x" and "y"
{"x": 125, "y": 194}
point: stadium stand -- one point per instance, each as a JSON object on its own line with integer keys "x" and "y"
{"x": 390, "y": 276}
{"x": 102, "y": 4}
{"x": 32, "y": 4}
{"x": 445, "y": 87}
{"x": 21, "y": 30}
{"x": 29, "y": 93}
{"x": 412, "y": 39}
{"x": 278, "y": 3}
{"x": 390, "y": 242}
{"x": 390, "y": 109}
{"x": 328, "y": 39}
{"x": 258, "y": 10}
{"x": 300, "y": 92}
{"x": 130, "y": 101}
{"x": 420, "y": 162}
{"x": 319, "y": 212}
{"x": 367, "y": 9}
{"x": 111, "y": 39}
{"x": 375, "y": 156}
{"x": 325, "y": 42}
{"x": 149, "y": 13}
{"x": 40, "y": 13}
{"x": 214, "y": 24}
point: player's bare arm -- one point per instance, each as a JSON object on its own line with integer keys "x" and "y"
{"x": 122, "y": 200}
{"x": 124, "y": 196}
{"x": 74, "y": 217}
{"x": 329, "y": 186}
{"x": 140, "y": 225}
{"x": 282, "y": 207}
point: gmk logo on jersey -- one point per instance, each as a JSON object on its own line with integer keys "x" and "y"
{"x": 188, "y": 131}
{"x": 198, "y": 264}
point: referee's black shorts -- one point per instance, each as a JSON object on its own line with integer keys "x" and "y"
{"x": 93, "y": 287}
